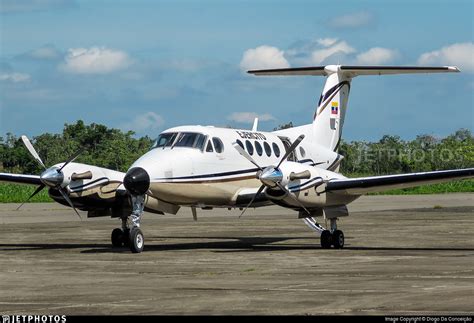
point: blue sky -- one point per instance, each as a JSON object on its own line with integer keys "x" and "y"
{"x": 150, "y": 65}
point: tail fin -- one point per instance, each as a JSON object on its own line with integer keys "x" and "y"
{"x": 328, "y": 119}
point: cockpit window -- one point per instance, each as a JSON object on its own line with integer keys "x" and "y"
{"x": 190, "y": 139}
{"x": 165, "y": 140}
{"x": 218, "y": 145}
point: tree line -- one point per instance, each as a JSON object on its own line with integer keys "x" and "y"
{"x": 115, "y": 149}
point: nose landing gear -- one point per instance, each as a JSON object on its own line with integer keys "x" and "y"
{"x": 133, "y": 238}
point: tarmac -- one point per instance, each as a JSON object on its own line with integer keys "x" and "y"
{"x": 404, "y": 255}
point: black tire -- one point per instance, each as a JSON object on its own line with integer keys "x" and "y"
{"x": 338, "y": 239}
{"x": 326, "y": 239}
{"x": 117, "y": 238}
{"x": 137, "y": 241}
{"x": 126, "y": 238}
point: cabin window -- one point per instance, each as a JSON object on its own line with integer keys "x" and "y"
{"x": 258, "y": 148}
{"x": 190, "y": 139}
{"x": 276, "y": 149}
{"x": 218, "y": 145}
{"x": 302, "y": 152}
{"x": 240, "y": 143}
{"x": 165, "y": 140}
{"x": 249, "y": 146}
{"x": 268, "y": 150}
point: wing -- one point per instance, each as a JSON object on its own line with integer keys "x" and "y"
{"x": 20, "y": 178}
{"x": 363, "y": 185}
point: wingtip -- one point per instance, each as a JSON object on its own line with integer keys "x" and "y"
{"x": 454, "y": 69}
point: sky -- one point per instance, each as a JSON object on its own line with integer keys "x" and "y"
{"x": 148, "y": 65}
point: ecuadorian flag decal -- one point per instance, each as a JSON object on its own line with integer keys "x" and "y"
{"x": 334, "y": 108}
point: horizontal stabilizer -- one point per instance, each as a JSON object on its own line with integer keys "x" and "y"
{"x": 352, "y": 71}
{"x": 363, "y": 185}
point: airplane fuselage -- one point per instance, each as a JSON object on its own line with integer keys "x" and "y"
{"x": 222, "y": 174}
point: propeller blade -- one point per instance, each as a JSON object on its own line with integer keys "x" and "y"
{"x": 38, "y": 189}
{"x": 69, "y": 201}
{"x": 71, "y": 158}
{"x": 291, "y": 149}
{"x": 32, "y": 150}
{"x": 253, "y": 199}
{"x": 293, "y": 198}
{"x": 245, "y": 154}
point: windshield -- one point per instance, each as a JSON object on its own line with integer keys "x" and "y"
{"x": 181, "y": 139}
{"x": 165, "y": 140}
{"x": 190, "y": 139}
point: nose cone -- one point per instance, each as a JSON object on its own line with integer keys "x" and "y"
{"x": 270, "y": 176}
{"x": 137, "y": 181}
{"x": 51, "y": 177}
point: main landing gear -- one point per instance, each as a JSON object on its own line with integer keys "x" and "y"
{"x": 131, "y": 237}
{"x": 333, "y": 237}
{"x": 329, "y": 238}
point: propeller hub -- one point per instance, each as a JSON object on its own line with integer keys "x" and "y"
{"x": 271, "y": 176}
{"x": 51, "y": 177}
{"x": 137, "y": 181}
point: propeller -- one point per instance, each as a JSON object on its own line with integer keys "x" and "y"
{"x": 52, "y": 177}
{"x": 272, "y": 176}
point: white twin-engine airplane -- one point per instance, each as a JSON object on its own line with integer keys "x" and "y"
{"x": 206, "y": 167}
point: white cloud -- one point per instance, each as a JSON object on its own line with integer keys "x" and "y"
{"x": 326, "y": 42}
{"x": 15, "y": 77}
{"x": 352, "y": 20}
{"x": 144, "y": 122}
{"x": 249, "y": 117}
{"x": 459, "y": 54}
{"x": 376, "y": 56}
{"x": 324, "y": 51}
{"x": 340, "y": 48}
{"x": 95, "y": 60}
{"x": 263, "y": 57}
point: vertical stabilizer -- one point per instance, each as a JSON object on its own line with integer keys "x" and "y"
{"x": 330, "y": 113}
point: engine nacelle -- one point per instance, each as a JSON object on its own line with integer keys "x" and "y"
{"x": 89, "y": 187}
{"x": 307, "y": 184}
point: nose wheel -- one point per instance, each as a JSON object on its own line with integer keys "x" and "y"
{"x": 137, "y": 241}
{"x": 120, "y": 237}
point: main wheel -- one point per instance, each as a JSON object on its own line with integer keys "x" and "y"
{"x": 338, "y": 239}
{"x": 326, "y": 239}
{"x": 117, "y": 237}
{"x": 137, "y": 241}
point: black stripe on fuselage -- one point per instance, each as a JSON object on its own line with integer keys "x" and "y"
{"x": 211, "y": 176}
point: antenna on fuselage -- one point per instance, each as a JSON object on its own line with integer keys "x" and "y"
{"x": 255, "y": 125}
